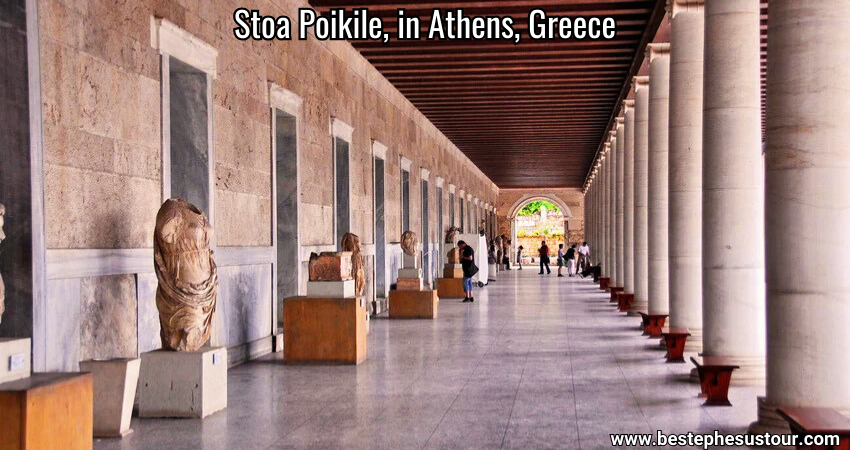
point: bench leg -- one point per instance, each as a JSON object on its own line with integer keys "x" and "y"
{"x": 655, "y": 326}
{"x": 715, "y": 384}
{"x": 675, "y": 348}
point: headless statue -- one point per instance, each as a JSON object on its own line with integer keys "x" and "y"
{"x": 187, "y": 276}
{"x": 351, "y": 243}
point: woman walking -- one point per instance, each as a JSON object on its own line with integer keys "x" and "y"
{"x": 544, "y": 259}
{"x": 519, "y": 257}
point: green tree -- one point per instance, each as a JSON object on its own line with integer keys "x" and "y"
{"x": 534, "y": 207}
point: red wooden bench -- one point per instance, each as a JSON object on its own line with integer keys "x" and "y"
{"x": 817, "y": 421}
{"x": 603, "y": 283}
{"x": 652, "y": 323}
{"x": 674, "y": 340}
{"x": 715, "y": 373}
{"x": 615, "y": 291}
{"x": 624, "y": 301}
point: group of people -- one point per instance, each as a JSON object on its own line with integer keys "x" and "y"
{"x": 576, "y": 259}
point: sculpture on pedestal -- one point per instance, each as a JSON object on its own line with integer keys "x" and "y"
{"x": 187, "y": 275}
{"x": 453, "y": 256}
{"x": 330, "y": 266}
{"x": 451, "y": 234}
{"x": 351, "y": 243}
{"x": 2, "y": 286}
{"x": 409, "y": 242}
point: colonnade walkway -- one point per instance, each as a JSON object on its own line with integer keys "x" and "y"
{"x": 536, "y": 362}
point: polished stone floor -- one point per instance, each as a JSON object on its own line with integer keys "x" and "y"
{"x": 536, "y": 362}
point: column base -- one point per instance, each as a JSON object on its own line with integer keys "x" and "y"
{"x": 769, "y": 421}
{"x": 637, "y": 308}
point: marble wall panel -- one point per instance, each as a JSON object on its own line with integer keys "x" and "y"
{"x": 244, "y": 306}
{"x": 108, "y": 317}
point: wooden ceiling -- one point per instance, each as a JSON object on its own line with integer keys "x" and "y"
{"x": 528, "y": 115}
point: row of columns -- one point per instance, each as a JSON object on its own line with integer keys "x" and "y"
{"x": 680, "y": 197}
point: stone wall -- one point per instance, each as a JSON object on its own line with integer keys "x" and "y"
{"x": 101, "y": 94}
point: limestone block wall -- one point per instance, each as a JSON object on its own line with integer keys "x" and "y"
{"x": 102, "y": 134}
{"x": 572, "y": 198}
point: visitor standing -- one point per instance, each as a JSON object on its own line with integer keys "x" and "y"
{"x": 584, "y": 256}
{"x": 571, "y": 261}
{"x": 467, "y": 263}
{"x": 519, "y": 257}
{"x": 543, "y": 252}
{"x": 560, "y": 259}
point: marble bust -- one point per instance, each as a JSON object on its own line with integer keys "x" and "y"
{"x": 2, "y": 286}
{"x": 451, "y": 234}
{"x": 187, "y": 276}
{"x": 409, "y": 242}
{"x": 351, "y": 243}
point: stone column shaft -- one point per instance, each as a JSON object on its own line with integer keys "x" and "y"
{"x": 612, "y": 210}
{"x": 621, "y": 140}
{"x": 807, "y": 208}
{"x": 629, "y": 196}
{"x": 733, "y": 190}
{"x": 603, "y": 212}
{"x": 659, "y": 103}
{"x": 641, "y": 156}
{"x": 687, "y": 30}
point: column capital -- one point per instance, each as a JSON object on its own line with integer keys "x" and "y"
{"x": 628, "y": 104}
{"x": 640, "y": 83}
{"x": 620, "y": 121}
{"x": 676, "y": 6}
{"x": 657, "y": 49}
{"x": 612, "y": 135}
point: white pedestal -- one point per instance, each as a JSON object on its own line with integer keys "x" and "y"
{"x": 183, "y": 384}
{"x": 411, "y": 262}
{"x": 491, "y": 276}
{"x": 410, "y": 273}
{"x": 15, "y": 362}
{"x": 332, "y": 289}
{"x": 114, "y": 385}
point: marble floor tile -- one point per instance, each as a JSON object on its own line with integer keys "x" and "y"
{"x": 534, "y": 363}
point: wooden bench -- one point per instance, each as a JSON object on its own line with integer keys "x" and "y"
{"x": 624, "y": 301}
{"x": 652, "y": 324}
{"x": 674, "y": 340}
{"x": 817, "y": 421}
{"x": 715, "y": 373}
{"x": 615, "y": 291}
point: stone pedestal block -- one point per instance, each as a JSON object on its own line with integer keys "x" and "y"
{"x": 324, "y": 330}
{"x": 413, "y": 304}
{"x": 411, "y": 262}
{"x": 115, "y": 384}
{"x": 450, "y": 288}
{"x": 14, "y": 359}
{"x": 183, "y": 384}
{"x": 491, "y": 275}
{"x": 410, "y": 273}
{"x": 452, "y": 273}
{"x": 47, "y": 411}
{"x": 332, "y": 289}
{"x": 409, "y": 284}
{"x": 452, "y": 266}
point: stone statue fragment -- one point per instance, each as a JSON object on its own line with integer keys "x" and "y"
{"x": 187, "y": 276}
{"x": 331, "y": 266}
{"x": 2, "y": 286}
{"x": 451, "y": 234}
{"x": 409, "y": 242}
{"x": 454, "y": 256}
{"x": 351, "y": 243}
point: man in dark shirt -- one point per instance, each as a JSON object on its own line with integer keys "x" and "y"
{"x": 571, "y": 260}
{"x": 467, "y": 263}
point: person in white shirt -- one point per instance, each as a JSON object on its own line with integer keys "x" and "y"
{"x": 583, "y": 256}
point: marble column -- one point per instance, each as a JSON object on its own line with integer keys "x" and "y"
{"x": 610, "y": 217}
{"x": 733, "y": 192}
{"x": 658, "y": 56}
{"x": 621, "y": 139}
{"x": 641, "y": 156}
{"x": 603, "y": 211}
{"x": 807, "y": 209}
{"x": 629, "y": 196}
{"x": 612, "y": 211}
{"x": 687, "y": 27}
